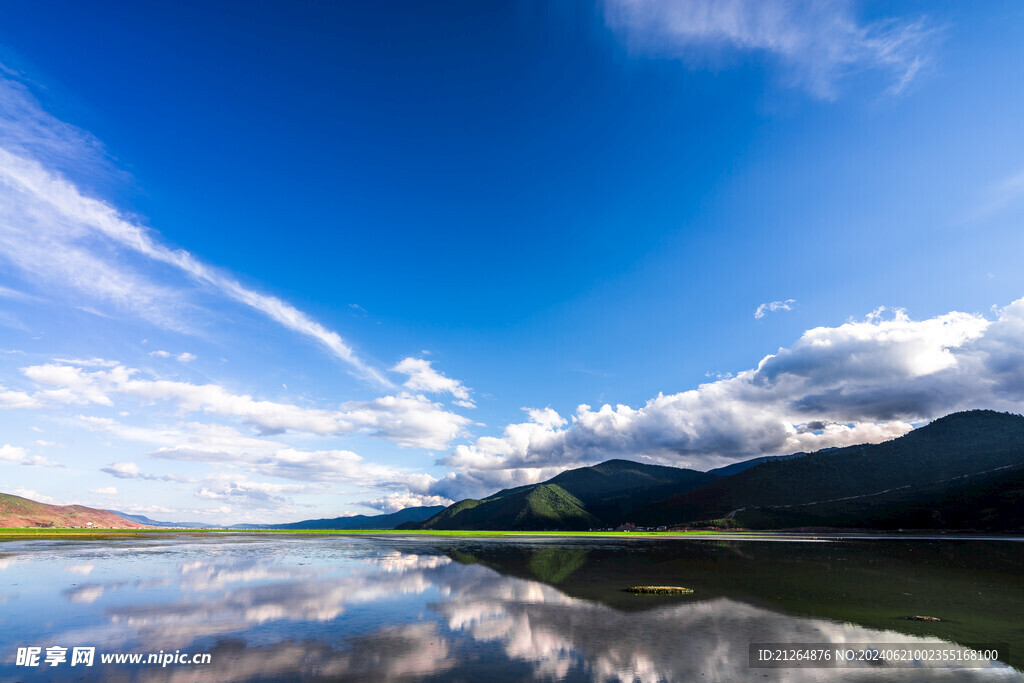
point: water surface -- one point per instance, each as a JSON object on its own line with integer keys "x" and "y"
{"x": 283, "y": 607}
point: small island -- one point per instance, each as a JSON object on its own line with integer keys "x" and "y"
{"x": 659, "y": 590}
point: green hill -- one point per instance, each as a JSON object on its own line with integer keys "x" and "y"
{"x": 530, "y": 508}
{"x": 852, "y": 486}
{"x": 612, "y": 490}
{"x": 599, "y": 496}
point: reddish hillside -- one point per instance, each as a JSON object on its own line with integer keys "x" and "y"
{"x": 16, "y": 511}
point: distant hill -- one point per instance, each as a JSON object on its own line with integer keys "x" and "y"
{"x": 599, "y": 496}
{"x": 142, "y": 519}
{"x": 16, "y": 511}
{"x": 871, "y": 485}
{"x": 353, "y": 523}
{"x": 361, "y": 522}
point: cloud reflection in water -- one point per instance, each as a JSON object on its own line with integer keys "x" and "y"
{"x": 387, "y": 610}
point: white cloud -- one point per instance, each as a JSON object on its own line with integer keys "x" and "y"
{"x": 815, "y": 43}
{"x": 148, "y": 510}
{"x": 129, "y": 470}
{"x": 88, "y": 362}
{"x": 405, "y": 419}
{"x": 223, "y": 445}
{"x": 33, "y": 495}
{"x": 861, "y": 382}
{"x": 105, "y": 491}
{"x": 123, "y": 470}
{"x": 230, "y": 487}
{"x": 53, "y": 232}
{"x": 400, "y": 501}
{"x": 19, "y": 456}
{"x": 8, "y": 293}
{"x": 74, "y": 385}
{"x": 12, "y": 453}
{"x": 423, "y": 377}
{"x": 184, "y": 357}
{"x": 11, "y": 400}
{"x": 773, "y": 306}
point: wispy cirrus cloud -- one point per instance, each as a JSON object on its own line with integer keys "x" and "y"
{"x": 129, "y": 470}
{"x": 1000, "y": 195}
{"x": 52, "y": 231}
{"x": 815, "y": 43}
{"x": 773, "y": 306}
{"x": 183, "y": 357}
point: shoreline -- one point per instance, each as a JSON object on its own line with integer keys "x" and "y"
{"x": 819, "y": 535}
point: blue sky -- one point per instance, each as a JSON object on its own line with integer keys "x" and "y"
{"x": 289, "y": 261}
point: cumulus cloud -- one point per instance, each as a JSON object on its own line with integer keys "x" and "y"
{"x": 18, "y": 400}
{"x": 815, "y": 43}
{"x": 405, "y": 419}
{"x": 400, "y": 501}
{"x": 19, "y": 456}
{"x": 73, "y": 385}
{"x": 861, "y": 382}
{"x": 52, "y": 231}
{"x": 773, "y": 306}
{"x": 423, "y": 377}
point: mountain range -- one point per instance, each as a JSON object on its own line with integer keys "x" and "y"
{"x": 577, "y": 499}
{"x": 962, "y": 471}
{"x": 351, "y": 523}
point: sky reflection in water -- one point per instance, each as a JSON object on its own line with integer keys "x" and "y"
{"x": 376, "y": 609}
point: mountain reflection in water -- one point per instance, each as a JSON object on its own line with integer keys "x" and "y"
{"x": 335, "y": 607}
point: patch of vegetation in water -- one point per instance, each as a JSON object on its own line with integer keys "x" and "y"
{"x": 659, "y": 590}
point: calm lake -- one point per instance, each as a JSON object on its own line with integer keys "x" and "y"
{"x": 289, "y": 607}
